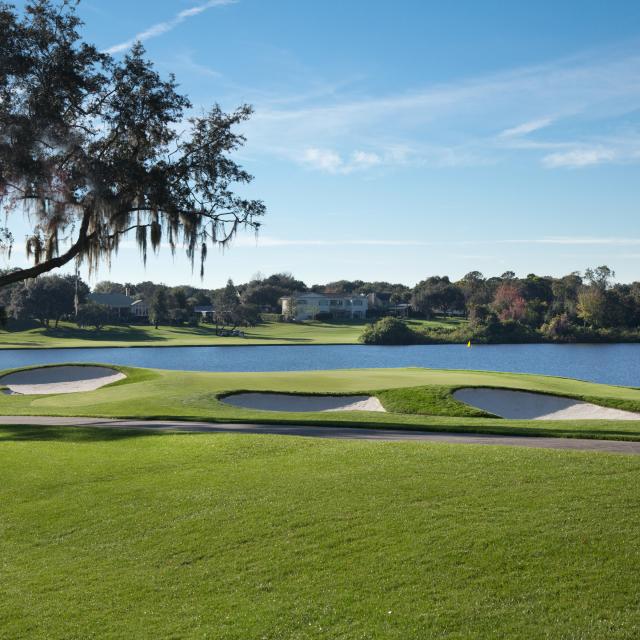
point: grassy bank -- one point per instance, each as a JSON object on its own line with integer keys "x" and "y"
{"x": 128, "y": 535}
{"x": 415, "y": 399}
{"x": 30, "y": 336}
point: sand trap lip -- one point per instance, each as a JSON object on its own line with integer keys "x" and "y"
{"x": 63, "y": 379}
{"x": 302, "y": 403}
{"x": 524, "y": 405}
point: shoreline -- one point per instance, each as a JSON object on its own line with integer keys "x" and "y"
{"x": 313, "y": 344}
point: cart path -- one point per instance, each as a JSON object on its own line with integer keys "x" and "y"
{"x": 345, "y": 433}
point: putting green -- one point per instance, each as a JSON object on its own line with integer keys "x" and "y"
{"x": 413, "y": 399}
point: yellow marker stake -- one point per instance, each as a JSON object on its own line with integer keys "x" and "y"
{"x": 469, "y": 344}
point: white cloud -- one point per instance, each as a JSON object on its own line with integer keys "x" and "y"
{"x": 526, "y": 127}
{"x": 331, "y": 162}
{"x": 270, "y": 241}
{"x": 161, "y": 28}
{"x": 455, "y": 124}
{"x": 323, "y": 159}
{"x": 579, "y": 158}
{"x": 589, "y": 240}
{"x": 364, "y": 159}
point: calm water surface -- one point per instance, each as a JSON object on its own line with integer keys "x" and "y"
{"x": 608, "y": 363}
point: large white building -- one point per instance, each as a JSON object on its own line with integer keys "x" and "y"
{"x": 308, "y": 306}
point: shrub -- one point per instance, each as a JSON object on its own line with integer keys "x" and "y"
{"x": 390, "y": 331}
{"x": 559, "y": 329}
{"x": 93, "y": 314}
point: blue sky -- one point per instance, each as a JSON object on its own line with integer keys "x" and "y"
{"x": 397, "y": 140}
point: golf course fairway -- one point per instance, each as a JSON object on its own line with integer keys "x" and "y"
{"x": 412, "y": 399}
{"x": 128, "y": 534}
{"x": 113, "y": 533}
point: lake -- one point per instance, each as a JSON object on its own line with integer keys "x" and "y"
{"x": 608, "y": 363}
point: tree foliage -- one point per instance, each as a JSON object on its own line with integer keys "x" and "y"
{"x": 159, "y": 308}
{"x": 93, "y": 315}
{"x": 47, "y": 298}
{"x": 93, "y": 149}
{"x": 508, "y": 302}
{"x": 437, "y": 294}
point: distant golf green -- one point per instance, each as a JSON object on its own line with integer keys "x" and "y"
{"x": 69, "y": 335}
{"x": 109, "y": 534}
{"x": 414, "y": 399}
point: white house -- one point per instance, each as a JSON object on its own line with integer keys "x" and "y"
{"x": 139, "y": 309}
{"x": 308, "y": 306}
{"x": 205, "y": 312}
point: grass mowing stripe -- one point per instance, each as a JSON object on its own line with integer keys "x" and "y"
{"x": 33, "y": 336}
{"x": 417, "y": 399}
{"x": 111, "y": 535}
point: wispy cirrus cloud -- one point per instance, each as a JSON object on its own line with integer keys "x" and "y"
{"x": 186, "y": 61}
{"x": 274, "y": 242}
{"x": 567, "y": 113}
{"x": 270, "y": 241}
{"x": 526, "y": 127}
{"x": 331, "y": 162}
{"x": 577, "y": 158}
{"x": 589, "y": 240}
{"x": 161, "y": 28}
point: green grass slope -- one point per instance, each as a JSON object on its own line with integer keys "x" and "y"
{"x": 415, "y": 399}
{"x": 129, "y": 535}
{"x": 69, "y": 335}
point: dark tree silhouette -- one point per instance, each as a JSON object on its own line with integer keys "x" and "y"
{"x": 92, "y": 149}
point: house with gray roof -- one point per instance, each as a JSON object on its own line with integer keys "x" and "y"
{"x": 308, "y": 306}
{"x": 122, "y": 304}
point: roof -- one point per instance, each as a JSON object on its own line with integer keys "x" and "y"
{"x": 113, "y": 300}
{"x": 325, "y": 296}
{"x": 135, "y": 302}
{"x": 207, "y": 308}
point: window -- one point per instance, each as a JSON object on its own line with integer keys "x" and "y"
{"x": 301, "y": 302}
{"x": 357, "y": 303}
{"x": 323, "y": 303}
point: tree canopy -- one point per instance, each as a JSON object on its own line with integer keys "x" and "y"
{"x": 92, "y": 149}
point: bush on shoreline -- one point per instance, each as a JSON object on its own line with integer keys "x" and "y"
{"x": 525, "y": 335}
{"x": 391, "y": 331}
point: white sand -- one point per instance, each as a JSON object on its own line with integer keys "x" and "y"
{"x": 522, "y": 405}
{"x": 285, "y": 402}
{"x": 64, "y": 379}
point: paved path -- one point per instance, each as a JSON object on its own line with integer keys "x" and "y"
{"x": 347, "y": 433}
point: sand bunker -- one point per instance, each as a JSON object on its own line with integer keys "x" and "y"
{"x": 522, "y": 405}
{"x": 285, "y": 402}
{"x": 65, "y": 379}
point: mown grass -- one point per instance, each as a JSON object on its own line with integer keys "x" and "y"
{"x": 429, "y": 401}
{"x": 415, "y": 398}
{"x": 32, "y": 336}
{"x": 128, "y": 535}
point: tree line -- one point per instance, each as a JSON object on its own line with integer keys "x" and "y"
{"x": 577, "y": 306}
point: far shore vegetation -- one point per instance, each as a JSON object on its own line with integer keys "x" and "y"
{"x": 55, "y": 311}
